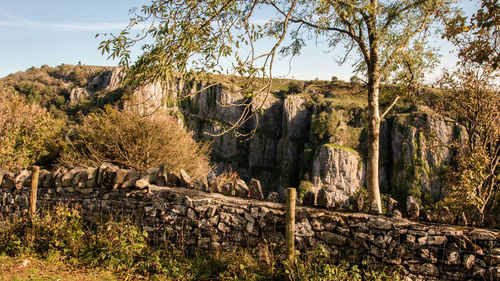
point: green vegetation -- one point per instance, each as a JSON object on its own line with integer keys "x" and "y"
{"x": 342, "y": 147}
{"x": 38, "y": 125}
{"x": 119, "y": 250}
{"x": 303, "y": 188}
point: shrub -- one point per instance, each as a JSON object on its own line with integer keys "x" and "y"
{"x": 303, "y": 188}
{"x": 129, "y": 140}
{"x": 325, "y": 125}
{"x": 473, "y": 98}
{"x": 355, "y": 80}
{"x": 28, "y": 134}
{"x": 59, "y": 230}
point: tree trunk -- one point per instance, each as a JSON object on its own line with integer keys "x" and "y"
{"x": 373, "y": 144}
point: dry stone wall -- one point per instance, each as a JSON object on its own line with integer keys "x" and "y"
{"x": 170, "y": 205}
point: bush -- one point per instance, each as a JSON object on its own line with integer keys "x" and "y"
{"x": 355, "y": 80}
{"x": 303, "y": 188}
{"x": 324, "y": 125}
{"x": 28, "y": 134}
{"x": 131, "y": 141}
{"x": 57, "y": 231}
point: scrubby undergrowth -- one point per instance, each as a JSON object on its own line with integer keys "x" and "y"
{"x": 123, "y": 249}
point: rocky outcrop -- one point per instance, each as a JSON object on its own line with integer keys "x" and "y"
{"x": 296, "y": 116}
{"x": 339, "y": 170}
{"x": 78, "y": 94}
{"x": 295, "y": 127}
{"x": 421, "y": 151}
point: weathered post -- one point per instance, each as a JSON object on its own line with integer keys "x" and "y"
{"x": 290, "y": 224}
{"x": 35, "y": 170}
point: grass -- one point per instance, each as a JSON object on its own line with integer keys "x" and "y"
{"x": 343, "y": 147}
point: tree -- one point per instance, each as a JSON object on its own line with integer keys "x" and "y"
{"x": 473, "y": 100}
{"x": 194, "y": 36}
{"x": 477, "y": 38}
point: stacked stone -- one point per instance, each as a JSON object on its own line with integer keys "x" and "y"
{"x": 13, "y": 193}
{"x": 72, "y": 186}
{"x": 212, "y": 220}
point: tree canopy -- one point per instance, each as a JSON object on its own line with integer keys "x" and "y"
{"x": 477, "y": 37}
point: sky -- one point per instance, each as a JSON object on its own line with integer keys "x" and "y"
{"x": 53, "y": 32}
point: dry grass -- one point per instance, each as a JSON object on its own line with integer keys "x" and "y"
{"x": 31, "y": 268}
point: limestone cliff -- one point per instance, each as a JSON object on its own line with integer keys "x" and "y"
{"x": 338, "y": 170}
{"x": 415, "y": 145}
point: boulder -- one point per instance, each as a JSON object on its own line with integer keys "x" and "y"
{"x": 58, "y": 174}
{"x": 445, "y": 215}
{"x": 358, "y": 203}
{"x": 325, "y": 199}
{"x": 67, "y": 179}
{"x": 7, "y": 180}
{"x": 462, "y": 219}
{"x": 413, "y": 208}
{"x": 161, "y": 178}
{"x": 200, "y": 184}
{"x": 152, "y": 175}
{"x": 393, "y": 208}
{"x": 255, "y": 189}
{"x": 309, "y": 199}
{"x": 185, "y": 179}
{"x": 273, "y": 197}
{"x": 106, "y": 174}
{"x": 241, "y": 189}
{"x": 211, "y": 181}
{"x": 48, "y": 180}
{"x": 476, "y": 217}
{"x": 22, "y": 179}
{"x": 227, "y": 188}
{"x": 92, "y": 175}
{"x": 41, "y": 178}
{"x": 142, "y": 183}
{"x": 173, "y": 179}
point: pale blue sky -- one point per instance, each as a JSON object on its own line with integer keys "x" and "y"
{"x": 38, "y": 32}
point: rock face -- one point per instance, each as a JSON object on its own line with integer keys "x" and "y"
{"x": 338, "y": 170}
{"x": 295, "y": 126}
{"x": 284, "y": 149}
{"x": 78, "y": 94}
{"x": 420, "y": 152}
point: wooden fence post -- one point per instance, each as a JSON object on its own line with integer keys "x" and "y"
{"x": 35, "y": 170}
{"x": 290, "y": 224}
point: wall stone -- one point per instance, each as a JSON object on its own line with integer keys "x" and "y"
{"x": 422, "y": 251}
